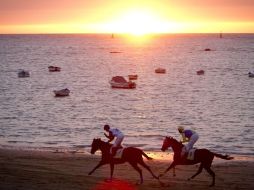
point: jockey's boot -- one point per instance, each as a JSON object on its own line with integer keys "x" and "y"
{"x": 184, "y": 153}
{"x": 113, "y": 153}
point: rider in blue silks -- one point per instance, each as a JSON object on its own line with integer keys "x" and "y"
{"x": 112, "y": 134}
{"x": 189, "y": 136}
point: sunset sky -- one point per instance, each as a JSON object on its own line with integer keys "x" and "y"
{"x": 122, "y": 16}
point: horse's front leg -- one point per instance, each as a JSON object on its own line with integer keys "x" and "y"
{"x": 111, "y": 170}
{"x": 96, "y": 167}
{"x": 172, "y": 165}
{"x": 174, "y": 171}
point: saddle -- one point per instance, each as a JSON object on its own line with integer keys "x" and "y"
{"x": 117, "y": 152}
{"x": 190, "y": 155}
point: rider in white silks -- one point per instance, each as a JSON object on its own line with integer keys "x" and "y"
{"x": 112, "y": 134}
{"x": 189, "y": 136}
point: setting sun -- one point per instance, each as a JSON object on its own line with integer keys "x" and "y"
{"x": 137, "y": 22}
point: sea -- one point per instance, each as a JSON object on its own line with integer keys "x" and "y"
{"x": 218, "y": 105}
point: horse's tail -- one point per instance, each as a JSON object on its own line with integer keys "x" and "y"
{"x": 225, "y": 157}
{"x": 145, "y": 155}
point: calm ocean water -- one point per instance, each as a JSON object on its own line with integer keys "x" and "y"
{"x": 218, "y": 105}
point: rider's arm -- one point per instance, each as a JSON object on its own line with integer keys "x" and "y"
{"x": 110, "y": 136}
{"x": 184, "y": 138}
{"x": 106, "y": 135}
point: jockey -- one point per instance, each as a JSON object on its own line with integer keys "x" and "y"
{"x": 112, "y": 134}
{"x": 189, "y": 136}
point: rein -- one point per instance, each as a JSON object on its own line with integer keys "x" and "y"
{"x": 176, "y": 146}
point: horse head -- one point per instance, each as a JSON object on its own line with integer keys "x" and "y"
{"x": 166, "y": 143}
{"x": 170, "y": 142}
{"x": 95, "y": 145}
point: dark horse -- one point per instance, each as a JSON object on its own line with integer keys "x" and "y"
{"x": 202, "y": 156}
{"x": 130, "y": 154}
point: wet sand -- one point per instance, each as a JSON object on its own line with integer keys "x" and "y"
{"x": 46, "y": 170}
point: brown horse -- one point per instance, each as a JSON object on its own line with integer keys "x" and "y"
{"x": 130, "y": 154}
{"x": 202, "y": 156}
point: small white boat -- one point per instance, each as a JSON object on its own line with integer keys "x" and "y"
{"x": 61, "y": 93}
{"x": 160, "y": 70}
{"x": 23, "y": 73}
{"x": 200, "y": 72}
{"x": 54, "y": 69}
{"x": 251, "y": 74}
{"x": 133, "y": 77}
{"x": 121, "y": 82}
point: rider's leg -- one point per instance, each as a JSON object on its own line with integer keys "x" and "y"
{"x": 184, "y": 150}
{"x": 116, "y": 145}
{"x": 113, "y": 152}
{"x": 192, "y": 141}
{"x": 118, "y": 141}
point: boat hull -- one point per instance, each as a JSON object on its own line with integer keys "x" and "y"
{"x": 54, "y": 69}
{"x": 160, "y": 71}
{"x": 62, "y": 93}
{"x": 251, "y": 75}
{"x": 200, "y": 72}
{"x": 133, "y": 77}
{"x": 127, "y": 85}
{"x": 23, "y": 74}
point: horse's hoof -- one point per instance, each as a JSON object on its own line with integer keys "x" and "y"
{"x": 108, "y": 180}
{"x": 212, "y": 185}
{"x": 160, "y": 175}
{"x": 166, "y": 185}
{"x": 162, "y": 184}
{"x": 139, "y": 183}
{"x": 189, "y": 179}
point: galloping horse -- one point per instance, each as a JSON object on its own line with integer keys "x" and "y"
{"x": 203, "y": 156}
{"x": 130, "y": 154}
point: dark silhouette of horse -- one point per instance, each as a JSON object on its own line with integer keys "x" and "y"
{"x": 202, "y": 156}
{"x": 130, "y": 154}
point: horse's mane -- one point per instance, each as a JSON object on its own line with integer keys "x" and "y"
{"x": 172, "y": 138}
{"x": 99, "y": 139}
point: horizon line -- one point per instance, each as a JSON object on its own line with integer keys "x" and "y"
{"x": 109, "y": 33}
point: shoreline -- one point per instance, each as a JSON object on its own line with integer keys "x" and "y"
{"x": 26, "y": 169}
{"x": 158, "y": 155}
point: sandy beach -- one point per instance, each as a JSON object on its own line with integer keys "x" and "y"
{"x": 36, "y": 170}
